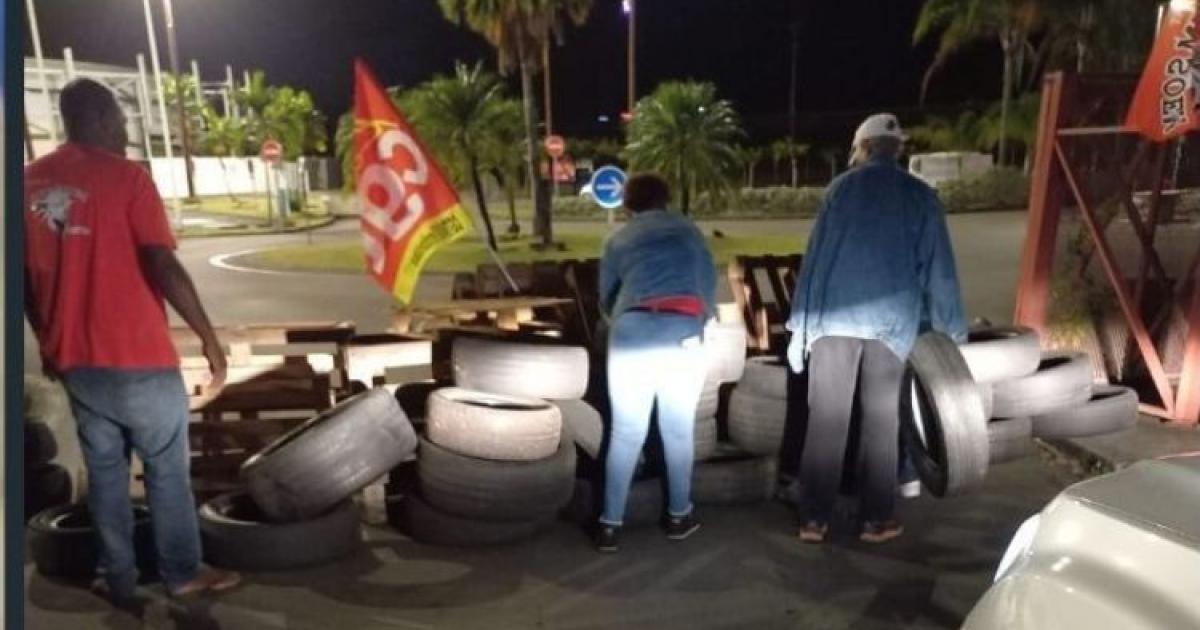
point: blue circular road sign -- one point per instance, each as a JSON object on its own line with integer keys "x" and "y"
{"x": 608, "y": 187}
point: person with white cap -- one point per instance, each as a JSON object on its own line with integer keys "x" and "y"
{"x": 878, "y": 267}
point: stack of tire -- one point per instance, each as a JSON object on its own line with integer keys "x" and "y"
{"x": 1030, "y": 394}
{"x": 298, "y": 509}
{"x": 53, "y": 468}
{"x": 497, "y": 461}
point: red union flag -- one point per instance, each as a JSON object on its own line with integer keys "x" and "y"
{"x": 408, "y": 207}
{"x": 1167, "y": 102}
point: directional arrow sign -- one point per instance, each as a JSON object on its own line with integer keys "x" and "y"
{"x": 608, "y": 186}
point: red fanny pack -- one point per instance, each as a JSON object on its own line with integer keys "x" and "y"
{"x": 678, "y": 304}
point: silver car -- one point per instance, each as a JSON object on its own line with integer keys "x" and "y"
{"x": 1120, "y": 551}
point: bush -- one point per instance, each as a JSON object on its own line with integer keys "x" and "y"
{"x": 998, "y": 189}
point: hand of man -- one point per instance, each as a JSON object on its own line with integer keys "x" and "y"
{"x": 216, "y": 364}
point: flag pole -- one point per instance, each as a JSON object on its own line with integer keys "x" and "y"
{"x": 495, "y": 254}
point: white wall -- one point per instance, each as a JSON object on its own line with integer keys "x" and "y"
{"x": 212, "y": 176}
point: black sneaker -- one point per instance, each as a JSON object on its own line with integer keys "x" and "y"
{"x": 606, "y": 538}
{"x": 680, "y": 527}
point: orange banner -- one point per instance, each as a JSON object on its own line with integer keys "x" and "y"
{"x": 1167, "y": 102}
{"x": 409, "y": 208}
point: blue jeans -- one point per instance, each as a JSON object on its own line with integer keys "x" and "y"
{"x": 652, "y": 357}
{"x": 146, "y": 411}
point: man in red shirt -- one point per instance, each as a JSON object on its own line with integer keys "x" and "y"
{"x": 99, "y": 260}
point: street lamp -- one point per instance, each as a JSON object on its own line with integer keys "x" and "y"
{"x": 184, "y": 135}
{"x": 630, "y": 9}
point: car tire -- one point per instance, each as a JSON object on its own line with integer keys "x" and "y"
{"x": 325, "y": 460}
{"x": 1010, "y": 439}
{"x": 496, "y": 490}
{"x": 46, "y": 486}
{"x": 710, "y": 400}
{"x": 584, "y": 423}
{"x": 41, "y": 447}
{"x": 1002, "y": 353}
{"x": 551, "y": 372}
{"x": 942, "y": 418}
{"x": 725, "y": 344}
{"x": 766, "y": 376}
{"x": 1062, "y": 380}
{"x": 756, "y": 422}
{"x": 734, "y": 480}
{"x": 493, "y": 426}
{"x": 427, "y": 524}
{"x": 704, "y": 437}
{"x": 1110, "y": 409}
{"x": 237, "y": 535}
{"x": 63, "y": 542}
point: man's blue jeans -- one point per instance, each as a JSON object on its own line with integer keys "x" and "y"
{"x": 653, "y": 357}
{"x": 146, "y": 411}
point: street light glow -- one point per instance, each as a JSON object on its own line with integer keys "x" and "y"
{"x": 627, "y": 6}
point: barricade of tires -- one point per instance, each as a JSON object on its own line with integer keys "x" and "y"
{"x": 1041, "y": 395}
{"x": 297, "y": 510}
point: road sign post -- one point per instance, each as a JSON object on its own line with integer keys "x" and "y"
{"x": 608, "y": 189}
{"x": 555, "y": 147}
{"x": 271, "y": 154}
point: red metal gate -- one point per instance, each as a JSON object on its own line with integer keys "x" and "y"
{"x": 1086, "y": 161}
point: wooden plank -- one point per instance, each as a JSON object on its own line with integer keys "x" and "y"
{"x": 272, "y": 334}
{"x": 369, "y": 358}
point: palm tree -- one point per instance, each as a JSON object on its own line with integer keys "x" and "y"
{"x": 224, "y": 136}
{"x": 683, "y": 131}
{"x": 519, "y": 30}
{"x": 457, "y": 115}
{"x": 504, "y": 155}
{"x": 749, "y": 158}
{"x": 831, "y": 156}
{"x": 943, "y": 134}
{"x": 958, "y": 23}
{"x": 787, "y": 150}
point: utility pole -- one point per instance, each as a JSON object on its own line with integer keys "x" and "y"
{"x": 794, "y": 27}
{"x": 631, "y": 10}
{"x": 162, "y": 111}
{"x": 184, "y": 134}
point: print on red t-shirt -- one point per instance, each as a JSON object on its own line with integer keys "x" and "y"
{"x": 87, "y": 212}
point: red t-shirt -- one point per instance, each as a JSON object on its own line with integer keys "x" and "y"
{"x": 87, "y": 211}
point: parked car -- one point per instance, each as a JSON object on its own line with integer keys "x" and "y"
{"x": 939, "y": 168}
{"x": 1120, "y": 551}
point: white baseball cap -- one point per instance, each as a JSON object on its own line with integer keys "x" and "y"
{"x": 878, "y": 125}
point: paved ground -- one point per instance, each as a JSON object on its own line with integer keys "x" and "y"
{"x": 742, "y": 570}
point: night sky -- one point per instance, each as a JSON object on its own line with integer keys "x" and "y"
{"x": 855, "y": 56}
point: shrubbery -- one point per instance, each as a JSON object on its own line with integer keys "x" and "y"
{"x": 999, "y": 189}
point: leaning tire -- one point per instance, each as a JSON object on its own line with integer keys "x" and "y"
{"x": 493, "y": 426}
{"x": 496, "y": 490}
{"x": 704, "y": 436}
{"x": 1110, "y": 409}
{"x": 520, "y": 369}
{"x": 726, "y": 348}
{"x": 584, "y": 423}
{"x": 320, "y": 463}
{"x": 63, "y": 543}
{"x": 1001, "y": 353}
{"x": 237, "y": 535}
{"x": 46, "y": 486}
{"x": 710, "y": 400}
{"x": 41, "y": 447}
{"x": 1010, "y": 439}
{"x": 766, "y": 376}
{"x": 943, "y": 426}
{"x": 1062, "y": 380}
{"x": 427, "y": 524}
{"x": 734, "y": 481}
{"x": 756, "y": 422}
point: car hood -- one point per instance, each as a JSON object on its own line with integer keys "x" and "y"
{"x": 1161, "y": 495}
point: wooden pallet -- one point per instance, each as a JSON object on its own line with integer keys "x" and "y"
{"x": 762, "y": 287}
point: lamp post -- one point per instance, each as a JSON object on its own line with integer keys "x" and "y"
{"x": 630, "y": 8}
{"x": 162, "y": 109}
{"x": 184, "y": 134}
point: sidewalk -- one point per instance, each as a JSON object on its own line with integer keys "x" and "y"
{"x": 1150, "y": 438}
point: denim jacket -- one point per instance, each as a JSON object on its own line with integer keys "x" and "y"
{"x": 657, "y": 254}
{"x": 879, "y": 263}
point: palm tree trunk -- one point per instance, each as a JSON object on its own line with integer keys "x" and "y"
{"x": 541, "y": 202}
{"x": 795, "y": 173}
{"x": 750, "y": 176}
{"x": 685, "y": 190}
{"x": 481, "y": 199}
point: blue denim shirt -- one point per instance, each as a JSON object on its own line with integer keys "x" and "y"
{"x": 879, "y": 263}
{"x": 657, "y": 254}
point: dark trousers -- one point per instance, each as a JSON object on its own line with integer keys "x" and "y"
{"x": 840, "y": 368}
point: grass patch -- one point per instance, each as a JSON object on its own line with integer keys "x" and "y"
{"x": 246, "y": 207}
{"x": 468, "y": 253}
